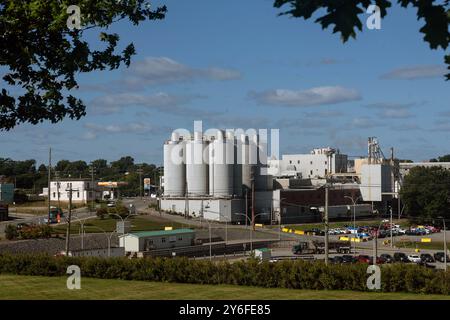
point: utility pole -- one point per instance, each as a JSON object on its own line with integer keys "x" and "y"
{"x": 253, "y": 197}
{"x": 57, "y": 187}
{"x": 49, "y": 182}
{"x": 392, "y": 224}
{"x": 326, "y": 222}
{"x": 92, "y": 171}
{"x": 70, "y": 190}
{"x": 186, "y": 201}
{"x": 445, "y": 246}
{"x": 140, "y": 171}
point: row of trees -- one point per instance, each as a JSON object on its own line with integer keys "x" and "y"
{"x": 26, "y": 175}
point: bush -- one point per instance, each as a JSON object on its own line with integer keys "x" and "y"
{"x": 284, "y": 274}
{"x": 101, "y": 212}
{"x": 35, "y": 232}
{"x": 11, "y": 232}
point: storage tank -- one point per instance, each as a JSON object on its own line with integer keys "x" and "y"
{"x": 263, "y": 181}
{"x": 197, "y": 166}
{"x": 221, "y": 162}
{"x": 174, "y": 167}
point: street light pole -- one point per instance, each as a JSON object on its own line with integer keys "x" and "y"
{"x": 445, "y": 247}
{"x": 354, "y": 220}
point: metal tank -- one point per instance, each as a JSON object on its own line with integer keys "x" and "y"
{"x": 197, "y": 166}
{"x": 221, "y": 160}
{"x": 174, "y": 167}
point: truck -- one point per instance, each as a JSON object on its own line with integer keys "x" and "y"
{"x": 318, "y": 247}
{"x": 55, "y": 215}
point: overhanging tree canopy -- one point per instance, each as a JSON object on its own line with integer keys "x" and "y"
{"x": 43, "y": 56}
{"x": 344, "y": 15}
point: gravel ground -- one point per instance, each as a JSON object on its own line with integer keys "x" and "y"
{"x": 56, "y": 245}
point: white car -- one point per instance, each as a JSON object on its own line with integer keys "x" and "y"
{"x": 414, "y": 258}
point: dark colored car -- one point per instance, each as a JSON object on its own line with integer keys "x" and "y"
{"x": 426, "y": 257}
{"x": 387, "y": 258}
{"x": 400, "y": 257}
{"x": 348, "y": 259}
{"x": 426, "y": 265}
{"x": 439, "y": 256}
{"x": 338, "y": 259}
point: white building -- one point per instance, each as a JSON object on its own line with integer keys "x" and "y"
{"x": 83, "y": 191}
{"x": 318, "y": 164}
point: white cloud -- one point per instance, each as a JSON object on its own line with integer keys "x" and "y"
{"x": 133, "y": 127}
{"x": 162, "y": 70}
{"x": 303, "y": 98}
{"x": 163, "y": 102}
{"x": 416, "y": 72}
{"x": 392, "y": 110}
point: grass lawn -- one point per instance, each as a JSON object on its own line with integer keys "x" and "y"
{"x": 421, "y": 245}
{"x": 139, "y": 223}
{"x": 32, "y": 287}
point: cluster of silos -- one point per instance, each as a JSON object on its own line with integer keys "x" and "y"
{"x": 222, "y": 166}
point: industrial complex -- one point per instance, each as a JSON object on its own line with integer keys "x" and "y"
{"x": 230, "y": 178}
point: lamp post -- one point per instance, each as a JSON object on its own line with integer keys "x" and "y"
{"x": 251, "y": 227}
{"x": 123, "y": 222}
{"x": 108, "y": 238}
{"x": 354, "y": 220}
{"x": 445, "y": 243}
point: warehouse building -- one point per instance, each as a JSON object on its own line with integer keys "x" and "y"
{"x": 318, "y": 164}
{"x": 154, "y": 240}
{"x": 83, "y": 191}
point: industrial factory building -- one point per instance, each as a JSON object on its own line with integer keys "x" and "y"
{"x": 318, "y": 164}
{"x": 224, "y": 177}
{"x": 214, "y": 176}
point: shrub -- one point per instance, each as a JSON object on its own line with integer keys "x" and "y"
{"x": 284, "y": 274}
{"x": 11, "y": 232}
{"x": 101, "y": 212}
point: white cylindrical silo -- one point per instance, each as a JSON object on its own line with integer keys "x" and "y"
{"x": 196, "y": 166}
{"x": 221, "y": 159}
{"x": 174, "y": 167}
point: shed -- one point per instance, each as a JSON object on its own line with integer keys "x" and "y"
{"x": 152, "y": 240}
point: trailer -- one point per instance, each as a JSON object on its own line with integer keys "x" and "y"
{"x": 318, "y": 247}
{"x": 3, "y": 212}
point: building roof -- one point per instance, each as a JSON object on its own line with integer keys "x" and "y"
{"x": 144, "y": 234}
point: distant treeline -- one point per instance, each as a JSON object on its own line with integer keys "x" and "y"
{"x": 27, "y": 175}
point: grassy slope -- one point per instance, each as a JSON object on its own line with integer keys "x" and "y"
{"x": 109, "y": 224}
{"x": 27, "y": 287}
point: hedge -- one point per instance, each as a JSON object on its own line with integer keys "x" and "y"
{"x": 284, "y": 274}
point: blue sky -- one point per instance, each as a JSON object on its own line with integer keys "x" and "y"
{"x": 236, "y": 64}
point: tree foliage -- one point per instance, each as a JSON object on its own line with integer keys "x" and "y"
{"x": 426, "y": 193}
{"x": 42, "y": 56}
{"x": 344, "y": 15}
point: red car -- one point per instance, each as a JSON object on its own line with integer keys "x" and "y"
{"x": 363, "y": 259}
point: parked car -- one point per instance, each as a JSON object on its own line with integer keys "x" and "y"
{"x": 400, "y": 257}
{"x": 348, "y": 259}
{"x": 414, "y": 258}
{"x": 338, "y": 259}
{"x": 387, "y": 258}
{"x": 426, "y": 257}
{"x": 363, "y": 259}
{"x": 439, "y": 256}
